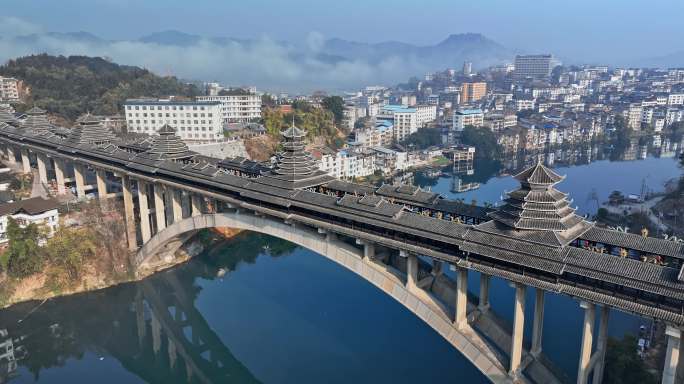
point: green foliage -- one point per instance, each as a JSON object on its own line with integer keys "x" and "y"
{"x": 273, "y": 121}
{"x": 317, "y": 122}
{"x": 424, "y": 138}
{"x": 268, "y": 100}
{"x": 483, "y": 140}
{"x": 23, "y": 256}
{"x": 234, "y": 92}
{"x": 335, "y": 104}
{"x": 71, "y": 86}
{"x": 69, "y": 249}
{"x": 525, "y": 113}
{"x": 623, "y": 364}
{"x": 677, "y": 131}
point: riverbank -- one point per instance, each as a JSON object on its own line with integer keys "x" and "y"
{"x": 40, "y": 287}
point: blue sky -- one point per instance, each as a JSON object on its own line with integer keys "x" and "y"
{"x": 591, "y": 29}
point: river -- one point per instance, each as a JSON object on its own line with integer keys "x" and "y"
{"x": 271, "y": 312}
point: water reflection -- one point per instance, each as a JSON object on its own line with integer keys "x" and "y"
{"x": 466, "y": 179}
{"x": 152, "y": 328}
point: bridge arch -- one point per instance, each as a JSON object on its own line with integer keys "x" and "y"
{"x": 471, "y": 345}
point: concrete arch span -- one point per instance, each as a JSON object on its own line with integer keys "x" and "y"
{"x": 439, "y": 317}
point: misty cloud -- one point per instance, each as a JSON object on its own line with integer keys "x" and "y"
{"x": 265, "y": 63}
{"x": 13, "y": 26}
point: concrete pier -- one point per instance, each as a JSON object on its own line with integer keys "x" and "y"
{"x": 538, "y": 324}
{"x": 674, "y": 338}
{"x": 587, "y": 340}
{"x": 518, "y": 330}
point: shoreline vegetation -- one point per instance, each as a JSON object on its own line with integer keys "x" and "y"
{"x": 87, "y": 254}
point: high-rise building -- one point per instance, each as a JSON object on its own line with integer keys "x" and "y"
{"x": 467, "y": 68}
{"x": 473, "y": 91}
{"x": 536, "y": 67}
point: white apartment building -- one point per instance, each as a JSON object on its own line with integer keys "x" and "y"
{"x": 236, "y": 108}
{"x": 346, "y": 164}
{"x": 498, "y": 121}
{"x": 407, "y": 120}
{"x": 523, "y": 104}
{"x": 466, "y": 117}
{"x": 36, "y": 210}
{"x": 425, "y": 114}
{"x": 9, "y": 89}
{"x": 194, "y": 121}
{"x": 405, "y": 123}
{"x": 674, "y": 115}
{"x": 675, "y": 99}
{"x": 381, "y": 135}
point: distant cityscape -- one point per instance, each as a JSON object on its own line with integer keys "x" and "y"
{"x": 531, "y": 104}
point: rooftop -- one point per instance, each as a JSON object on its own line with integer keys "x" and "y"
{"x": 32, "y": 206}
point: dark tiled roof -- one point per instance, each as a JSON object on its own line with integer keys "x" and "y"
{"x": 168, "y": 146}
{"x": 632, "y": 241}
{"x": 32, "y": 206}
{"x": 538, "y": 206}
{"x": 37, "y": 122}
{"x": 89, "y": 130}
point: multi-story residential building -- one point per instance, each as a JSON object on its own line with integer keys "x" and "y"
{"x": 536, "y": 67}
{"x": 381, "y": 135}
{"x": 497, "y": 122}
{"x": 389, "y": 161}
{"x": 408, "y": 100}
{"x": 405, "y": 123}
{"x": 466, "y": 117}
{"x": 239, "y": 107}
{"x": 674, "y": 115}
{"x": 524, "y": 104}
{"x": 405, "y": 119}
{"x": 473, "y": 91}
{"x": 194, "y": 121}
{"x": 425, "y": 114}
{"x": 633, "y": 115}
{"x": 36, "y": 210}
{"x": 675, "y": 99}
{"x": 9, "y": 89}
{"x": 467, "y": 68}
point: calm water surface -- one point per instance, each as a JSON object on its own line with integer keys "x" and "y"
{"x": 271, "y": 312}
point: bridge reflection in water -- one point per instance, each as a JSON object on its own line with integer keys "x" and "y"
{"x": 152, "y": 327}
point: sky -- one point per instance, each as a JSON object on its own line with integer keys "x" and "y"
{"x": 607, "y": 31}
{"x": 591, "y": 28}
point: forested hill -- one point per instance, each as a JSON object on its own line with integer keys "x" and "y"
{"x": 71, "y": 86}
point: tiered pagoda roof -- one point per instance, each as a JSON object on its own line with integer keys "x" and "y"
{"x": 295, "y": 167}
{"x": 37, "y": 122}
{"x": 168, "y": 146}
{"x": 89, "y": 130}
{"x": 538, "y": 206}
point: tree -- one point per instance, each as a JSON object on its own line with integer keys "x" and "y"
{"x": 268, "y": 100}
{"x": 424, "y": 138}
{"x": 525, "y": 113}
{"x": 483, "y": 139}
{"x": 623, "y": 364}
{"x": 68, "y": 250}
{"x": 273, "y": 121}
{"x": 23, "y": 256}
{"x": 73, "y": 85}
{"x": 335, "y": 104}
